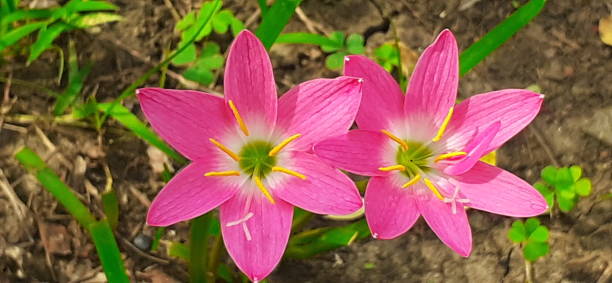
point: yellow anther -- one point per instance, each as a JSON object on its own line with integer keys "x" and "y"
{"x": 263, "y": 189}
{"x": 225, "y": 149}
{"x": 281, "y": 145}
{"x": 393, "y": 167}
{"x": 431, "y": 186}
{"x": 288, "y": 171}
{"x": 241, "y": 123}
{"x": 396, "y": 139}
{"x": 412, "y": 181}
{"x": 443, "y": 126}
{"x": 449, "y": 155}
{"x": 222, "y": 173}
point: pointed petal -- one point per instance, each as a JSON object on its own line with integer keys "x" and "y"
{"x": 325, "y": 191}
{"x": 433, "y": 85}
{"x": 359, "y": 151}
{"x": 382, "y": 100}
{"x": 190, "y": 194}
{"x": 498, "y": 191}
{"x": 475, "y": 150}
{"x": 319, "y": 109}
{"x": 452, "y": 229}
{"x": 268, "y": 230}
{"x": 513, "y": 108}
{"x": 389, "y": 209}
{"x": 185, "y": 118}
{"x": 249, "y": 80}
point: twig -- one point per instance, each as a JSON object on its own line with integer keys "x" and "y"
{"x": 311, "y": 26}
{"x": 150, "y": 257}
{"x": 250, "y": 20}
{"x": 18, "y": 205}
{"x": 534, "y": 130}
{"x": 173, "y": 11}
{"x": 6, "y": 104}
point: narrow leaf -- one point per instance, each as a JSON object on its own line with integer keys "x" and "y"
{"x": 108, "y": 252}
{"x": 304, "y": 38}
{"x": 275, "y": 21}
{"x": 94, "y": 19}
{"x": 46, "y": 36}
{"x": 15, "y": 35}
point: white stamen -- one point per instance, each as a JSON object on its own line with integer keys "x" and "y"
{"x": 247, "y": 233}
{"x": 375, "y": 235}
{"x": 240, "y": 221}
{"x": 542, "y": 96}
{"x": 346, "y": 58}
{"x": 454, "y": 200}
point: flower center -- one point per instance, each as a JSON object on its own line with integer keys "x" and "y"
{"x": 415, "y": 159}
{"x": 255, "y": 158}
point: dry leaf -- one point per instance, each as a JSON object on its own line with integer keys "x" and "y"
{"x": 605, "y": 30}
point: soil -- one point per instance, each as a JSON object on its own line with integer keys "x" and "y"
{"x": 559, "y": 51}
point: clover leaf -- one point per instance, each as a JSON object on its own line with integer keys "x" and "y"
{"x": 532, "y": 236}
{"x": 565, "y": 185}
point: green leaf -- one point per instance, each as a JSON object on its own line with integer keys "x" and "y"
{"x": 179, "y": 250}
{"x": 312, "y": 242}
{"x": 583, "y": 187}
{"x": 187, "y": 21}
{"x": 76, "y": 80}
{"x": 275, "y": 20}
{"x": 130, "y": 121}
{"x": 110, "y": 206}
{"x": 576, "y": 172}
{"x": 15, "y": 35}
{"x": 305, "y": 38}
{"x": 540, "y": 234}
{"x": 46, "y": 36}
{"x": 202, "y": 76}
{"x": 566, "y": 204}
{"x": 159, "y": 233}
{"x": 108, "y": 252}
{"x": 94, "y": 19}
{"x": 336, "y": 43}
{"x": 25, "y": 15}
{"x": 222, "y": 20}
{"x": 531, "y": 225}
{"x": 517, "y": 232}
{"x": 355, "y": 44}
{"x": 534, "y": 250}
{"x": 548, "y": 195}
{"x": 88, "y": 6}
{"x": 188, "y": 55}
{"x": 564, "y": 180}
{"x": 498, "y": 35}
{"x": 549, "y": 175}
{"x": 210, "y": 48}
{"x": 335, "y": 61}
{"x": 198, "y": 247}
{"x": 237, "y": 26}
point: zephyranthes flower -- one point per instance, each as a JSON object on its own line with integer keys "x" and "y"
{"x": 252, "y": 155}
{"x": 423, "y": 151}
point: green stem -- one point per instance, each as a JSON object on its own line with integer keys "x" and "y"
{"x": 198, "y": 245}
{"x": 213, "y": 260}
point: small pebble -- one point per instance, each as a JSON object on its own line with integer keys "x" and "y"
{"x": 143, "y": 242}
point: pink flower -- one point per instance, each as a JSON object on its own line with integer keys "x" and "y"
{"x": 424, "y": 157}
{"x": 252, "y": 155}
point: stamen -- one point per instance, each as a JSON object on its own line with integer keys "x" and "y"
{"x": 396, "y": 139}
{"x": 443, "y": 126}
{"x": 288, "y": 171}
{"x": 431, "y": 186}
{"x": 284, "y": 143}
{"x": 263, "y": 189}
{"x": 241, "y": 123}
{"x": 412, "y": 181}
{"x": 222, "y": 173}
{"x": 225, "y": 149}
{"x": 449, "y": 155}
{"x": 247, "y": 233}
{"x": 398, "y": 167}
{"x": 240, "y": 221}
{"x": 454, "y": 200}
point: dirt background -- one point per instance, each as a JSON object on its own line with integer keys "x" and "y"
{"x": 560, "y": 52}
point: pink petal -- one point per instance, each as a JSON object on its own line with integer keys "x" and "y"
{"x": 257, "y": 243}
{"x": 389, "y": 209}
{"x": 498, "y": 191}
{"x": 453, "y": 229}
{"x": 433, "y": 86}
{"x": 358, "y": 151}
{"x": 189, "y": 194}
{"x": 319, "y": 109}
{"x": 382, "y": 97}
{"x": 249, "y": 81}
{"x": 185, "y": 118}
{"x": 325, "y": 191}
{"x": 476, "y": 149}
{"x": 513, "y": 108}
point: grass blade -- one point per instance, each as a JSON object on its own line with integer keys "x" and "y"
{"x": 304, "y": 38}
{"x": 198, "y": 248}
{"x": 312, "y": 242}
{"x": 76, "y": 79}
{"x": 15, "y": 35}
{"x": 110, "y": 205}
{"x": 275, "y": 21}
{"x": 130, "y": 121}
{"x": 498, "y": 35}
{"x": 46, "y": 36}
{"x": 108, "y": 252}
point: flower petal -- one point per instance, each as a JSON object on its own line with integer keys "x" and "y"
{"x": 359, "y": 151}
{"x": 432, "y": 89}
{"x": 190, "y": 194}
{"x": 324, "y": 191}
{"x": 475, "y": 150}
{"x": 382, "y": 100}
{"x": 185, "y": 118}
{"x": 453, "y": 229}
{"x": 513, "y": 108}
{"x": 319, "y": 109}
{"x": 257, "y": 242}
{"x": 389, "y": 209}
{"x": 249, "y": 80}
{"x": 498, "y": 191}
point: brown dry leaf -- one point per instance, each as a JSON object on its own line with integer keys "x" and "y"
{"x": 156, "y": 275}
{"x": 56, "y": 239}
{"x": 605, "y": 30}
{"x": 409, "y": 59}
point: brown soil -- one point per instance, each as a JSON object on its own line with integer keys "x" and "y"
{"x": 560, "y": 52}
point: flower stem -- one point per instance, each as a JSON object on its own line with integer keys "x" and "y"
{"x": 198, "y": 245}
{"x": 528, "y": 272}
{"x": 213, "y": 260}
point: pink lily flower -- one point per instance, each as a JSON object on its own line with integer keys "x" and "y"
{"x": 251, "y": 154}
{"x": 423, "y": 152}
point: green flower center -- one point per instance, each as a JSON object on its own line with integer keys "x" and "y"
{"x": 415, "y": 158}
{"x": 255, "y": 159}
